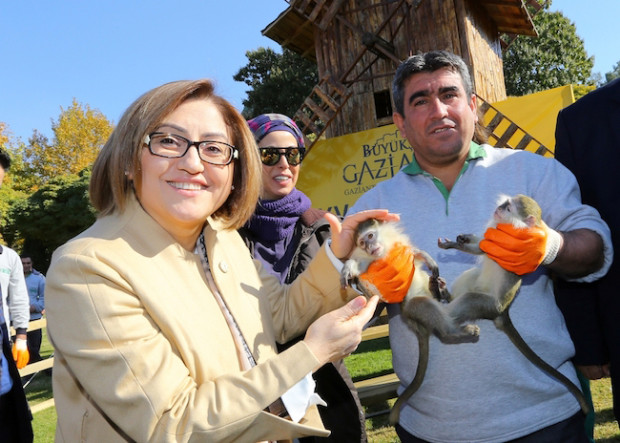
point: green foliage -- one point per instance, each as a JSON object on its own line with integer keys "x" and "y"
{"x": 279, "y": 82}
{"x": 557, "y": 57}
{"x": 79, "y": 135}
{"x": 55, "y": 213}
{"x": 612, "y": 75}
{"x": 22, "y": 176}
{"x": 581, "y": 90}
{"x": 54, "y": 174}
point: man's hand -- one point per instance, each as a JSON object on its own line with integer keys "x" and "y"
{"x": 521, "y": 250}
{"x": 392, "y": 274}
{"x": 20, "y": 352}
{"x": 594, "y": 372}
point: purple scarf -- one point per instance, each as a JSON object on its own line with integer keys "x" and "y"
{"x": 272, "y": 227}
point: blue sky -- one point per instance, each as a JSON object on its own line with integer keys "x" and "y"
{"x": 106, "y": 53}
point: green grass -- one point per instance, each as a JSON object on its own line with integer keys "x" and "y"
{"x": 373, "y": 358}
{"x": 44, "y": 425}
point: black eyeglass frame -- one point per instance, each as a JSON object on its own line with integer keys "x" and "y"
{"x": 288, "y": 154}
{"x": 234, "y": 152}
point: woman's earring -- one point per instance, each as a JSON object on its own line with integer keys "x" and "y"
{"x": 232, "y": 188}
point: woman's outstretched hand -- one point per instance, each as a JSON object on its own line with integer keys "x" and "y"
{"x": 337, "y": 334}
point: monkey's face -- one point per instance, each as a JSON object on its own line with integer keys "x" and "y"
{"x": 369, "y": 242}
{"x": 503, "y": 213}
{"x": 517, "y": 211}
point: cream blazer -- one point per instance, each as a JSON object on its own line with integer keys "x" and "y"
{"x": 143, "y": 352}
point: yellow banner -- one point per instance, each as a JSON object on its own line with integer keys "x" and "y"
{"x": 537, "y": 113}
{"x": 340, "y": 169}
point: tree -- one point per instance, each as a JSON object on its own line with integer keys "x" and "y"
{"x": 557, "y": 57}
{"x": 279, "y": 82}
{"x": 581, "y": 90}
{"x": 9, "y": 191}
{"x": 4, "y": 135}
{"x": 55, "y": 213}
{"x": 79, "y": 135}
{"x": 614, "y": 74}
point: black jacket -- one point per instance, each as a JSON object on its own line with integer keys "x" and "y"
{"x": 15, "y": 416}
{"x": 588, "y": 143}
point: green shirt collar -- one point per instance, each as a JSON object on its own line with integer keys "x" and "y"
{"x": 475, "y": 151}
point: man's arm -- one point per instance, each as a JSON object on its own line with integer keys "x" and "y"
{"x": 581, "y": 254}
{"x": 18, "y": 299}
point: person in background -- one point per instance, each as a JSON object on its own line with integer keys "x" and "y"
{"x": 15, "y": 304}
{"x": 164, "y": 327}
{"x": 587, "y": 141}
{"x": 15, "y": 416}
{"x": 35, "y": 283}
{"x": 284, "y": 234}
{"x": 485, "y": 391}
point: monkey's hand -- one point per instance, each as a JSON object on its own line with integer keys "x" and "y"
{"x": 439, "y": 288}
{"x": 464, "y": 242}
{"x": 349, "y": 273}
{"x": 392, "y": 274}
{"x": 521, "y": 250}
{"x": 444, "y": 243}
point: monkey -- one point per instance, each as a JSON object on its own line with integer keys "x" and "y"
{"x": 422, "y": 308}
{"x": 487, "y": 292}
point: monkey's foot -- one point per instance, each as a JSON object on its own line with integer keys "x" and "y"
{"x": 471, "y": 333}
{"x": 468, "y": 333}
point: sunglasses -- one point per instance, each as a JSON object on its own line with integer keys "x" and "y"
{"x": 271, "y": 155}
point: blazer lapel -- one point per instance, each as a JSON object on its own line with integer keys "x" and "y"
{"x": 232, "y": 267}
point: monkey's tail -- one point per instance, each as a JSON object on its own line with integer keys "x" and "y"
{"x": 504, "y": 323}
{"x": 415, "y": 384}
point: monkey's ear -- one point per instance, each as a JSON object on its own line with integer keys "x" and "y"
{"x": 530, "y": 221}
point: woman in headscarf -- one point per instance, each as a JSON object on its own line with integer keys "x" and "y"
{"x": 284, "y": 234}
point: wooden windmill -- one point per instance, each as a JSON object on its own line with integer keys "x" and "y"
{"x": 358, "y": 44}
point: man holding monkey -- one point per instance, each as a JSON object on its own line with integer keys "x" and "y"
{"x": 485, "y": 391}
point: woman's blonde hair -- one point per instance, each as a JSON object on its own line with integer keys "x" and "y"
{"x": 110, "y": 185}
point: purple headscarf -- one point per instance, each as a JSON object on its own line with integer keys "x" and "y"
{"x": 266, "y": 123}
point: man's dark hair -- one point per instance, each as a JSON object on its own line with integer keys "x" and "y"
{"x": 428, "y": 62}
{"x": 5, "y": 159}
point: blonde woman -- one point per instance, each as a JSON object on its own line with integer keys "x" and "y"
{"x": 164, "y": 328}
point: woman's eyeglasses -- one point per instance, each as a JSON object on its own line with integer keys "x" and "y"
{"x": 174, "y": 146}
{"x": 271, "y": 155}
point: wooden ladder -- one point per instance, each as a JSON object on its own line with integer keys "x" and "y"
{"x": 504, "y": 133}
{"x": 320, "y": 107}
